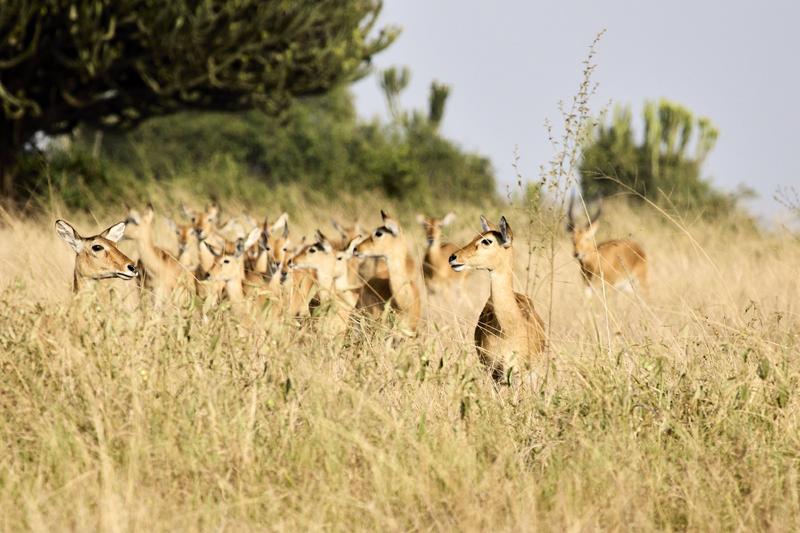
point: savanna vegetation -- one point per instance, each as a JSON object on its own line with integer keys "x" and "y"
{"x": 665, "y": 165}
{"x": 673, "y": 407}
{"x": 674, "y": 410}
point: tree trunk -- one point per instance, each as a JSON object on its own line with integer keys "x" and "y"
{"x": 11, "y": 145}
{"x": 7, "y": 168}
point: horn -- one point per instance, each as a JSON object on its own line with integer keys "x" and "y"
{"x": 571, "y": 212}
{"x": 597, "y": 211}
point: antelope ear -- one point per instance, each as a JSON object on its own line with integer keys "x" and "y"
{"x": 390, "y": 224}
{"x": 505, "y": 232}
{"x": 337, "y": 227}
{"x": 282, "y": 220}
{"x": 185, "y": 211}
{"x": 351, "y": 246}
{"x": 115, "y": 232}
{"x": 448, "y": 219}
{"x": 172, "y": 225}
{"x": 149, "y": 212}
{"x": 485, "y": 225}
{"x": 133, "y": 217}
{"x": 69, "y": 235}
{"x": 252, "y": 238}
{"x": 323, "y": 240}
{"x": 212, "y": 211}
{"x": 591, "y": 228}
{"x": 421, "y": 219}
{"x": 211, "y": 249}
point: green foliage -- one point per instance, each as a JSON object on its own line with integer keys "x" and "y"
{"x": 393, "y": 82}
{"x": 436, "y": 103}
{"x": 318, "y": 144}
{"x": 665, "y": 166}
{"x": 114, "y": 64}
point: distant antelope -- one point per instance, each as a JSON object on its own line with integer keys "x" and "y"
{"x": 96, "y": 257}
{"x": 163, "y": 272}
{"x": 360, "y": 269}
{"x": 509, "y": 332}
{"x": 620, "y": 263}
{"x": 435, "y": 268}
{"x": 297, "y": 286}
{"x": 228, "y": 267}
{"x": 346, "y": 233}
{"x": 187, "y": 244}
{"x": 266, "y": 255}
{"x": 357, "y": 270}
{"x": 401, "y": 290}
{"x": 204, "y": 224}
{"x": 331, "y": 269}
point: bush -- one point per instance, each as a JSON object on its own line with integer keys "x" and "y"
{"x": 318, "y": 144}
{"x": 664, "y": 166}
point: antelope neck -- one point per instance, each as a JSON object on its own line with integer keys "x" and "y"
{"x": 503, "y": 297}
{"x": 399, "y": 277}
{"x": 147, "y": 250}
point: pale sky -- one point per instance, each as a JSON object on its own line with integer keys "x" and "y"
{"x": 509, "y": 62}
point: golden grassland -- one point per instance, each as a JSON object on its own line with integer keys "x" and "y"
{"x": 675, "y": 410}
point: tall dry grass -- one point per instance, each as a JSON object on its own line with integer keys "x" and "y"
{"x": 675, "y": 410}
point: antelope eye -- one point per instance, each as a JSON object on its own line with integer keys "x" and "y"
{"x": 226, "y": 261}
{"x": 97, "y": 248}
{"x": 312, "y": 251}
{"x": 486, "y": 242}
{"x": 378, "y": 233}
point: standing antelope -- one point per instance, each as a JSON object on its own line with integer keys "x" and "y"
{"x": 187, "y": 244}
{"x": 266, "y": 255}
{"x": 161, "y": 270}
{"x": 401, "y": 290}
{"x": 436, "y": 270}
{"x": 205, "y": 230}
{"x": 509, "y": 332}
{"x": 268, "y": 268}
{"x": 357, "y": 270}
{"x": 330, "y": 268}
{"x": 620, "y": 263}
{"x": 360, "y": 269}
{"x": 228, "y": 267}
{"x": 96, "y": 257}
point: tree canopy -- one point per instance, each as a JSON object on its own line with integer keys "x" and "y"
{"x": 112, "y": 64}
{"x": 664, "y": 165}
{"x": 319, "y": 144}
